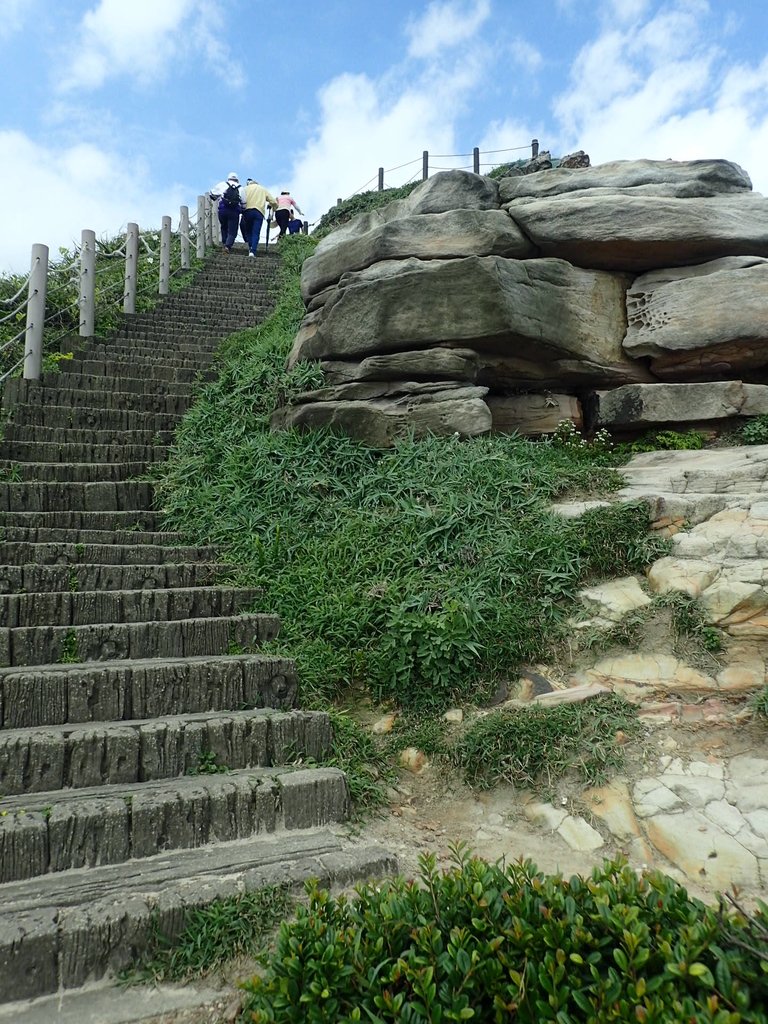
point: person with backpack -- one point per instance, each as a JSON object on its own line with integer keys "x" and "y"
{"x": 231, "y": 199}
{"x": 256, "y": 199}
{"x": 284, "y": 213}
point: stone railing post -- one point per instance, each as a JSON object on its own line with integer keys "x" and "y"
{"x": 210, "y": 231}
{"x": 381, "y": 179}
{"x": 476, "y": 160}
{"x": 184, "y": 236}
{"x": 425, "y": 165}
{"x": 165, "y": 256}
{"x": 200, "y": 235}
{"x": 534, "y": 148}
{"x": 131, "y": 267}
{"x": 87, "y": 283}
{"x": 36, "y": 295}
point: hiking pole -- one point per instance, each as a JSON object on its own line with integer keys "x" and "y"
{"x": 269, "y": 224}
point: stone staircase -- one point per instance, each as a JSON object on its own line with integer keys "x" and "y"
{"x": 144, "y": 768}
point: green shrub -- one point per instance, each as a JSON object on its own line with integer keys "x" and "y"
{"x": 754, "y": 431}
{"x": 486, "y": 943}
{"x": 665, "y": 440}
{"x": 759, "y": 702}
{"x": 362, "y": 202}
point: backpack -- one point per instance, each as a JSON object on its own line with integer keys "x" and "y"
{"x": 231, "y": 196}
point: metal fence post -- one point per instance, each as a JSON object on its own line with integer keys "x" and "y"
{"x": 36, "y": 294}
{"x": 476, "y": 160}
{"x": 381, "y": 179}
{"x": 200, "y": 233}
{"x": 425, "y": 165}
{"x": 534, "y": 148}
{"x": 165, "y": 256}
{"x": 184, "y": 236}
{"x": 87, "y": 283}
{"x": 131, "y": 267}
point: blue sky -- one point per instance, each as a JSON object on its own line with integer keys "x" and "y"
{"x": 120, "y": 110}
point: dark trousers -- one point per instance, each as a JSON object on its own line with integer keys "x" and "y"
{"x": 230, "y": 221}
{"x": 282, "y": 217}
{"x": 250, "y": 226}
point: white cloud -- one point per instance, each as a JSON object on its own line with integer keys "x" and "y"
{"x": 446, "y": 23}
{"x": 526, "y": 55}
{"x": 12, "y": 16}
{"x": 144, "y": 40}
{"x": 664, "y": 91}
{"x": 81, "y": 186}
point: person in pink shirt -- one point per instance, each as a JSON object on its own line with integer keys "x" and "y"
{"x": 283, "y": 215}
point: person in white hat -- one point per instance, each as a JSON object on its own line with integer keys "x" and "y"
{"x": 231, "y": 199}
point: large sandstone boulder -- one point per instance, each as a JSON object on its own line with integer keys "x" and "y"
{"x": 533, "y": 415}
{"x": 446, "y": 191}
{"x": 638, "y": 233}
{"x": 701, "y": 321}
{"x": 529, "y": 311}
{"x": 454, "y": 234}
{"x": 685, "y": 179}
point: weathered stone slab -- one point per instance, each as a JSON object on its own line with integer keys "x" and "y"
{"x": 315, "y": 796}
{"x": 531, "y": 415}
{"x": 646, "y": 405}
{"x": 680, "y": 178}
{"x": 381, "y": 422}
{"x": 704, "y": 321}
{"x": 450, "y": 235}
{"x": 28, "y": 954}
{"x": 632, "y": 233}
{"x": 432, "y": 364}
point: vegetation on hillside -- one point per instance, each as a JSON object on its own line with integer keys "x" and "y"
{"x": 427, "y": 572}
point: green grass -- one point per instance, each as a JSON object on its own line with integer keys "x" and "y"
{"x": 212, "y": 936}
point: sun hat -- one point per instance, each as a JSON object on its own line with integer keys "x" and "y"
{"x": 233, "y": 177}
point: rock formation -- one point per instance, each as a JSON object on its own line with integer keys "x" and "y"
{"x": 629, "y": 294}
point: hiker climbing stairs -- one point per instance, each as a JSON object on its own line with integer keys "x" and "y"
{"x": 151, "y": 759}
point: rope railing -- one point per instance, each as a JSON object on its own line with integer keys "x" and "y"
{"x": 86, "y": 292}
{"x": 427, "y": 167}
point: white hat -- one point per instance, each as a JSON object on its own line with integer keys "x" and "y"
{"x": 233, "y": 177}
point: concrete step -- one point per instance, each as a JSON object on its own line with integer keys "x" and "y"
{"x": 21, "y": 552}
{"x": 82, "y": 607}
{"x": 93, "y": 417}
{"x": 43, "y": 451}
{"x": 124, "y": 690}
{"x": 86, "y": 382}
{"x": 114, "y": 367}
{"x": 56, "y": 535}
{"x": 108, "y": 396}
{"x": 68, "y": 435}
{"x": 38, "y": 496}
{"x": 145, "y": 520}
{"x": 109, "y": 641}
{"x": 64, "y": 757}
{"x": 43, "y": 833}
{"x": 72, "y": 928}
{"x": 29, "y": 578}
{"x": 73, "y": 472}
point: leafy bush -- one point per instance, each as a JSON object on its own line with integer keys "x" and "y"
{"x": 524, "y": 746}
{"x": 665, "y": 440}
{"x": 755, "y": 431}
{"x": 759, "y": 702}
{"x": 486, "y": 943}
